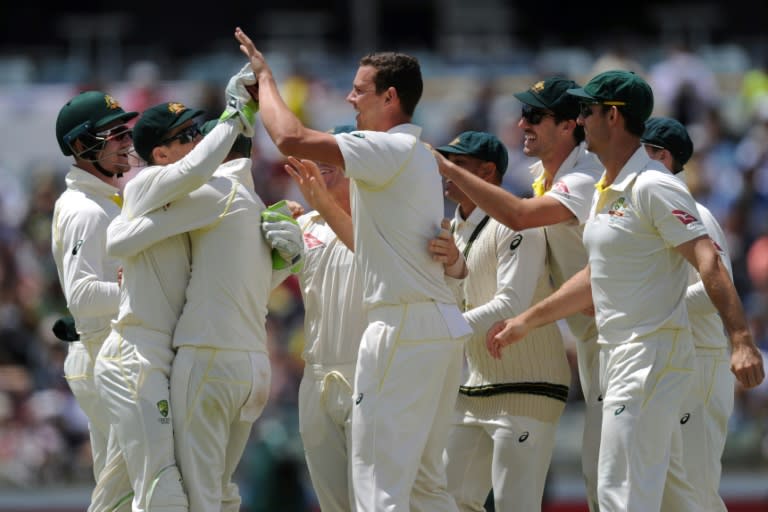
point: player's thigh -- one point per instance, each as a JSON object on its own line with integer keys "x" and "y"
{"x": 468, "y": 456}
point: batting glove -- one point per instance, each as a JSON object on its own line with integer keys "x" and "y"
{"x": 284, "y": 235}
{"x": 64, "y": 329}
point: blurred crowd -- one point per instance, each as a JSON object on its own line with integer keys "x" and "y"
{"x": 43, "y": 434}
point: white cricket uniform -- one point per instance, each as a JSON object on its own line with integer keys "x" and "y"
{"x": 133, "y": 366}
{"x": 334, "y": 321}
{"x": 573, "y": 186}
{"x": 704, "y": 420}
{"x": 646, "y": 349}
{"x": 221, "y": 373}
{"x": 409, "y": 363}
{"x": 88, "y": 279}
{"x": 507, "y": 410}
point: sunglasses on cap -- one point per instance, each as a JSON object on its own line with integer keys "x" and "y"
{"x": 585, "y": 107}
{"x": 116, "y": 133}
{"x": 185, "y": 136}
{"x": 534, "y": 115}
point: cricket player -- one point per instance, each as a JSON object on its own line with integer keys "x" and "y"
{"x": 91, "y": 127}
{"x": 507, "y": 411}
{"x": 408, "y": 366}
{"x": 221, "y": 361}
{"x": 332, "y": 290}
{"x": 133, "y": 367}
{"x": 643, "y": 227}
{"x": 564, "y": 183}
{"x": 704, "y": 418}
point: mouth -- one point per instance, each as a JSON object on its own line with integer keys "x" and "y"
{"x": 529, "y": 137}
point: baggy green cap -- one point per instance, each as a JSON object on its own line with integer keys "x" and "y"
{"x": 481, "y": 145}
{"x": 154, "y": 124}
{"x": 621, "y": 88}
{"x": 671, "y": 135}
{"x": 551, "y": 94}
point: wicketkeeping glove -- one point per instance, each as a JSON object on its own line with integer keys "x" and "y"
{"x": 284, "y": 235}
{"x": 64, "y": 329}
{"x": 243, "y": 110}
{"x": 238, "y": 82}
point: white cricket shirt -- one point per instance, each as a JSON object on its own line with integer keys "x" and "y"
{"x": 573, "y": 186}
{"x": 332, "y": 289}
{"x": 155, "y": 280}
{"x": 397, "y": 206}
{"x": 638, "y": 278}
{"x": 88, "y": 277}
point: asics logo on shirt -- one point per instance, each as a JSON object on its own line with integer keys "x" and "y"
{"x": 77, "y": 247}
{"x": 685, "y": 418}
{"x": 359, "y": 399}
{"x": 523, "y": 437}
{"x": 516, "y": 241}
{"x": 684, "y": 217}
{"x": 619, "y": 410}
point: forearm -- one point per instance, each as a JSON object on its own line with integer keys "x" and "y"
{"x": 281, "y": 123}
{"x": 725, "y": 299}
{"x": 574, "y": 296}
{"x": 340, "y": 222}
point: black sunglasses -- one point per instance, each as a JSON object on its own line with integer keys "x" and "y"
{"x": 184, "y": 137}
{"x": 534, "y": 115}
{"x": 585, "y": 107}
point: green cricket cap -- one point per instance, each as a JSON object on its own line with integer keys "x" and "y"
{"x": 551, "y": 94}
{"x": 343, "y": 128}
{"x": 621, "y": 88}
{"x": 154, "y": 124}
{"x": 481, "y": 145}
{"x": 669, "y": 134}
{"x": 88, "y": 112}
{"x": 241, "y": 145}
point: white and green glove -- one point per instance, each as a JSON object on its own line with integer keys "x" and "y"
{"x": 239, "y": 101}
{"x": 284, "y": 235}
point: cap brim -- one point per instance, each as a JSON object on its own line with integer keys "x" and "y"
{"x": 454, "y": 150}
{"x": 581, "y": 93}
{"x": 186, "y": 116}
{"x": 528, "y": 98}
{"x": 119, "y": 116}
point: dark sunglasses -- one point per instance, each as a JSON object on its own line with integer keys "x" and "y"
{"x": 585, "y": 107}
{"x": 534, "y": 115}
{"x": 184, "y": 137}
{"x": 116, "y": 133}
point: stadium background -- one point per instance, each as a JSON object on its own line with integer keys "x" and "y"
{"x": 707, "y": 61}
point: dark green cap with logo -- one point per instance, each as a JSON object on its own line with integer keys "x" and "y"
{"x": 670, "y": 134}
{"x": 481, "y": 145}
{"x": 551, "y": 94}
{"x": 88, "y": 112}
{"x": 621, "y": 88}
{"x": 154, "y": 124}
{"x": 241, "y": 145}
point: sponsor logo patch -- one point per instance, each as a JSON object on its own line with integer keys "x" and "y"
{"x": 684, "y": 217}
{"x": 685, "y": 418}
{"x": 618, "y": 208}
{"x": 523, "y": 437}
{"x": 311, "y": 241}
{"x": 619, "y": 410}
{"x": 77, "y": 247}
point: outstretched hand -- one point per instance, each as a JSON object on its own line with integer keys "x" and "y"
{"x": 504, "y": 333}
{"x": 258, "y": 63}
{"x": 306, "y": 174}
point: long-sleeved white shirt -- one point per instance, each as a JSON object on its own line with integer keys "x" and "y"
{"x": 88, "y": 276}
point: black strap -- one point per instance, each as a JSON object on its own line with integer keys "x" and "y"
{"x": 474, "y": 234}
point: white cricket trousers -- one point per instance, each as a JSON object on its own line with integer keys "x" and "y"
{"x": 587, "y": 357}
{"x": 325, "y": 406}
{"x": 216, "y": 396}
{"x": 704, "y": 426}
{"x": 113, "y": 489}
{"x": 132, "y": 376}
{"x": 510, "y": 455}
{"x": 407, "y": 378}
{"x": 644, "y": 384}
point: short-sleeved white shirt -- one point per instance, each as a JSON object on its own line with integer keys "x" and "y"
{"x": 332, "y": 289}
{"x": 397, "y": 205}
{"x": 638, "y": 278}
{"x": 573, "y": 187}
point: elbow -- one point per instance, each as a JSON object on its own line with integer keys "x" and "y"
{"x": 289, "y": 144}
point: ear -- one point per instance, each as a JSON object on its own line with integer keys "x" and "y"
{"x": 390, "y": 95}
{"x": 160, "y": 155}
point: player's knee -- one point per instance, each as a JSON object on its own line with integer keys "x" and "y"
{"x": 166, "y": 493}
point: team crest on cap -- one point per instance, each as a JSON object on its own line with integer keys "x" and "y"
{"x": 176, "y": 108}
{"x": 111, "y": 102}
{"x": 538, "y": 86}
